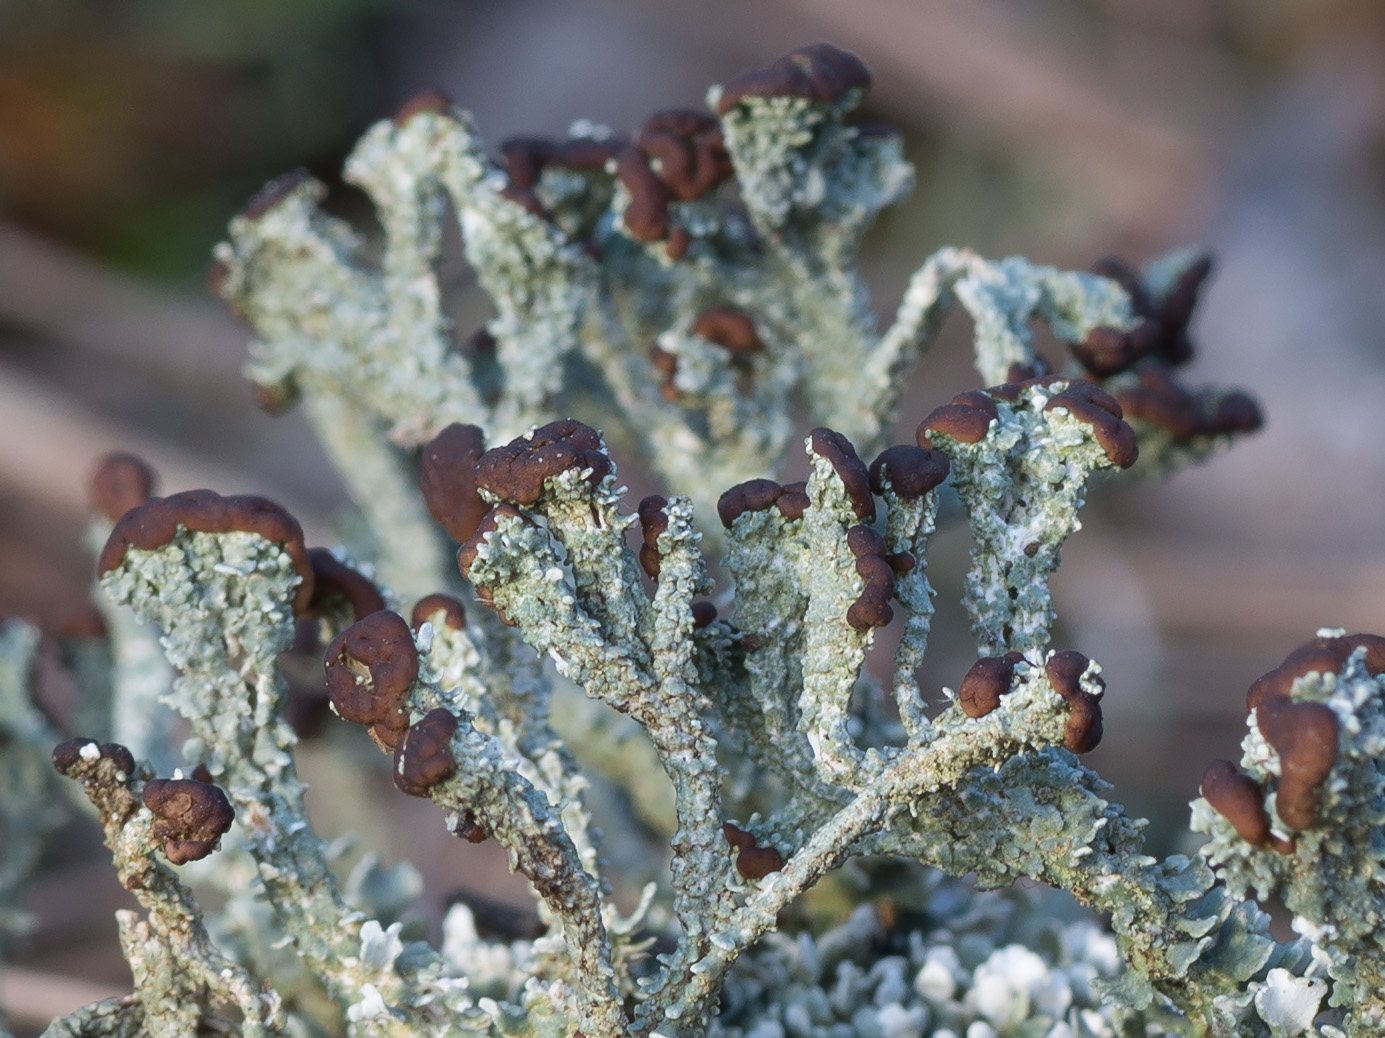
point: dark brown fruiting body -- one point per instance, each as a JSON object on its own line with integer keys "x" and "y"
{"x": 1160, "y": 401}
{"x": 429, "y": 606}
{"x": 1064, "y": 671}
{"x": 864, "y": 540}
{"x": 67, "y": 755}
{"x": 1025, "y": 371}
{"x": 1239, "y": 799}
{"x": 332, "y": 578}
{"x": 585, "y": 154}
{"x": 678, "y": 155}
{"x": 155, "y": 523}
{"x": 910, "y": 471}
{"x": 433, "y": 102}
{"x": 703, "y": 613}
{"x": 192, "y": 817}
{"x": 666, "y": 364}
{"x": 1109, "y": 351}
{"x": 1321, "y": 655}
{"x": 679, "y": 241}
{"x": 1305, "y": 735}
{"x": 1177, "y": 311}
{"x": 872, "y": 608}
{"x": 447, "y": 478}
{"x": 985, "y": 682}
{"x": 423, "y": 757}
{"x": 1235, "y": 412}
{"x": 793, "y": 500}
{"x": 1123, "y": 274}
{"x": 820, "y": 72}
{"x": 275, "y": 398}
{"x": 731, "y": 328}
{"x": 754, "y": 861}
{"x": 689, "y": 148}
{"x": 838, "y": 450}
{"x": 1167, "y": 322}
{"x": 966, "y": 419}
{"x": 646, "y": 216}
{"x": 901, "y": 561}
{"x": 1090, "y": 405}
{"x": 754, "y": 495}
{"x": 653, "y": 521}
{"x": 120, "y": 482}
{"x": 516, "y": 472}
{"x": 466, "y": 554}
{"x": 525, "y": 159}
{"x": 382, "y": 646}
{"x": 469, "y": 828}
{"x": 269, "y": 196}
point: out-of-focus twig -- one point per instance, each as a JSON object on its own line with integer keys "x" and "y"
{"x": 36, "y": 997}
{"x": 52, "y": 440}
{"x": 90, "y": 308}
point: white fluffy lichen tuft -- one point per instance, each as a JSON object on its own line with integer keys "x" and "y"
{"x": 699, "y": 280}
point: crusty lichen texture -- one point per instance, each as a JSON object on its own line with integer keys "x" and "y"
{"x": 700, "y": 276}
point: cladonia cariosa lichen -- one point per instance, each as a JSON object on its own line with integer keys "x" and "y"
{"x": 698, "y": 278}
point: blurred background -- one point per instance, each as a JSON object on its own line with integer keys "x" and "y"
{"x": 131, "y": 130}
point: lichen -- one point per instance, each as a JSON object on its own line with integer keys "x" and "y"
{"x": 623, "y": 271}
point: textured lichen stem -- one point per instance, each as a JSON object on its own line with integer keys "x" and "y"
{"x": 833, "y": 651}
{"x": 410, "y": 555}
{"x": 258, "y": 774}
{"x": 178, "y": 972}
{"x": 765, "y": 561}
{"x": 830, "y": 312}
{"x": 671, "y": 714}
{"x": 526, "y": 825}
{"x": 908, "y": 525}
{"x": 139, "y": 680}
{"x": 113, "y": 1018}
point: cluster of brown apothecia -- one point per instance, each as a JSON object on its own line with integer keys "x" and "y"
{"x": 371, "y": 664}
{"x": 1303, "y": 733}
{"x": 190, "y": 815}
{"x": 678, "y": 154}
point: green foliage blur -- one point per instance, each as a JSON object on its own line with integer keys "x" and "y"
{"x": 130, "y": 128}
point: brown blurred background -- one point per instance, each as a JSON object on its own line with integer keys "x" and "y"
{"x": 130, "y": 130}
